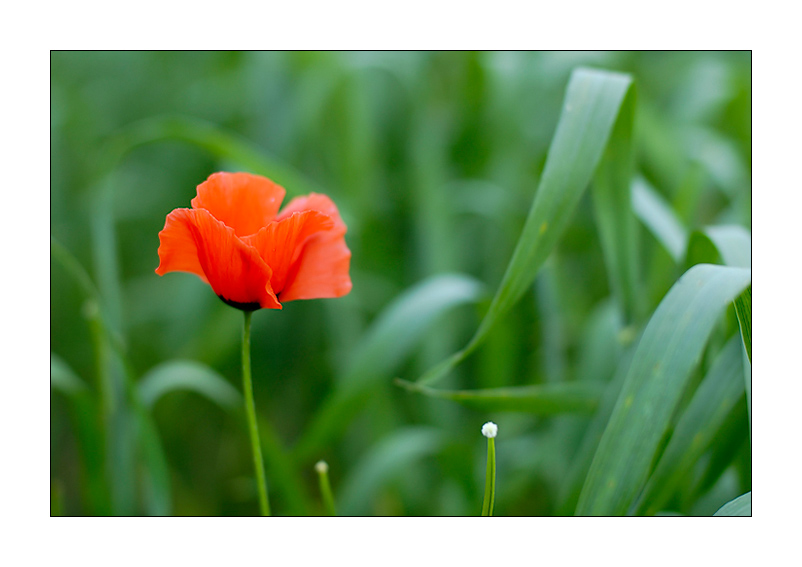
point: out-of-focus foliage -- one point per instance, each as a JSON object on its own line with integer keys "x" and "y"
{"x": 434, "y": 160}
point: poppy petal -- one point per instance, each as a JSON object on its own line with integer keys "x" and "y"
{"x": 322, "y": 267}
{"x": 281, "y": 243}
{"x": 177, "y": 249}
{"x": 243, "y": 201}
{"x": 194, "y": 241}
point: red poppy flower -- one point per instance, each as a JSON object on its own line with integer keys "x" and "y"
{"x": 235, "y": 239}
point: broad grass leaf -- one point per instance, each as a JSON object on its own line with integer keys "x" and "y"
{"x": 582, "y": 459}
{"x": 696, "y": 429}
{"x": 593, "y": 102}
{"x": 612, "y": 207}
{"x": 542, "y": 399}
{"x": 727, "y": 244}
{"x": 741, "y": 506}
{"x": 743, "y": 308}
{"x": 671, "y": 346}
{"x": 191, "y": 376}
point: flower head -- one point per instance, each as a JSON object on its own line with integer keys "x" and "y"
{"x": 489, "y": 429}
{"x": 253, "y": 256}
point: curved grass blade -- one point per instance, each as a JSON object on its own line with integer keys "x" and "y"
{"x": 741, "y": 506}
{"x": 593, "y": 102}
{"x": 188, "y": 375}
{"x": 657, "y": 215}
{"x": 712, "y": 402}
{"x": 732, "y": 244}
{"x": 386, "y": 344}
{"x": 743, "y": 308}
{"x": 384, "y": 463}
{"x": 542, "y": 399}
{"x": 612, "y": 206}
{"x": 582, "y": 459}
{"x": 671, "y": 346}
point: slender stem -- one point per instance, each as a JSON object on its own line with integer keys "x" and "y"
{"x": 250, "y": 410}
{"x": 490, "y": 479}
{"x": 322, "y": 469}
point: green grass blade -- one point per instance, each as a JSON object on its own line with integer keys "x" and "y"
{"x": 389, "y": 340}
{"x": 582, "y": 459}
{"x": 593, "y": 102}
{"x": 741, "y": 506}
{"x": 671, "y": 346}
{"x": 657, "y": 215}
{"x": 188, "y": 375}
{"x": 727, "y": 244}
{"x": 696, "y": 429}
{"x": 542, "y": 399}
{"x": 743, "y": 307}
{"x": 612, "y": 200}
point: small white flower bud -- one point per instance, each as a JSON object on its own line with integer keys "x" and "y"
{"x": 489, "y": 429}
{"x": 322, "y": 467}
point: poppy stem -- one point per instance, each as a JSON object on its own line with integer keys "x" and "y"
{"x": 250, "y": 410}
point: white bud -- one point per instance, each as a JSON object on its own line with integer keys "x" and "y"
{"x": 489, "y": 429}
{"x": 322, "y": 467}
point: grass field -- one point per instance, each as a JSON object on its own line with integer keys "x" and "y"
{"x": 559, "y": 243}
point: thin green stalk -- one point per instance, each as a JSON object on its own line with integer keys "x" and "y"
{"x": 489, "y": 430}
{"x": 250, "y": 410}
{"x": 322, "y": 469}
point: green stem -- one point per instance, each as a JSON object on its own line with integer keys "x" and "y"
{"x": 490, "y": 479}
{"x": 250, "y": 410}
{"x": 322, "y": 469}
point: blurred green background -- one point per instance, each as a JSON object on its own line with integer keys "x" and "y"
{"x": 433, "y": 159}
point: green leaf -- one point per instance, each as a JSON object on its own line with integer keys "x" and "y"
{"x": 542, "y": 399}
{"x": 743, "y": 307}
{"x": 612, "y": 200}
{"x": 582, "y": 459}
{"x": 696, "y": 429}
{"x": 593, "y": 102}
{"x": 188, "y": 375}
{"x": 384, "y": 463}
{"x": 657, "y": 215}
{"x": 671, "y": 346}
{"x": 741, "y": 506}
{"x": 389, "y": 340}
{"x": 731, "y": 243}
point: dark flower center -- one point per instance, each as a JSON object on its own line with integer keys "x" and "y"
{"x": 251, "y": 306}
